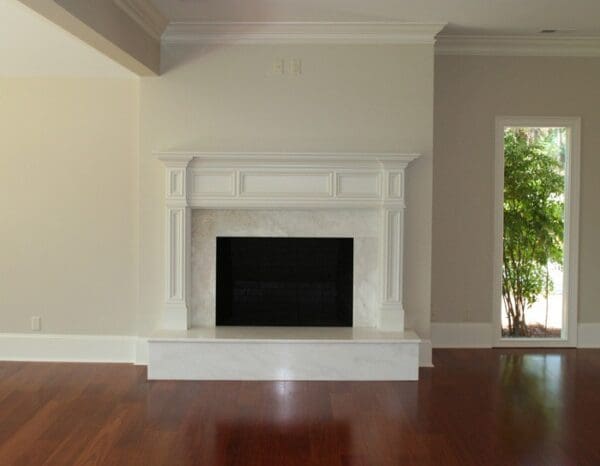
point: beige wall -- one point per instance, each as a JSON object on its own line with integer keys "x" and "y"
{"x": 67, "y": 172}
{"x": 469, "y": 93}
{"x": 70, "y": 220}
{"x": 348, "y": 98}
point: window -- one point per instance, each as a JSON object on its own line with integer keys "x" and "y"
{"x": 536, "y": 217}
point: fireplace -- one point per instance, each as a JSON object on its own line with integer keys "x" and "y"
{"x": 289, "y": 268}
{"x": 284, "y": 281}
{"x": 289, "y": 185}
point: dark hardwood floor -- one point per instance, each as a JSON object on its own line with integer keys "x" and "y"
{"x": 477, "y": 407}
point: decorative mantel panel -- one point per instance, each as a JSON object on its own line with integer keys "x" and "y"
{"x": 283, "y": 180}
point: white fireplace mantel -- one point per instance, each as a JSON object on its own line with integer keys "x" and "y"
{"x": 196, "y": 180}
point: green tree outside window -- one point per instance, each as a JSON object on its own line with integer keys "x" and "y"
{"x": 533, "y": 218}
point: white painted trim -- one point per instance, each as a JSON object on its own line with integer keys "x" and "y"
{"x": 146, "y": 15}
{"x": 589, "y": 335}
{"x": 461, "y": 335}
{"x": 549, "y": 46}
{"x": 367, "y": 32}
{"x": 69, "y": 348}
{"x": 131, "y": 349}
{"x": 303, "y": 159}
{"x": 391, "y": 240}
{"x": 177, "y": 241}
{"x": 571, "y": 238}
{"x": 478, "y": 335}
{"x": 425, "y": 354}
{"x": 141, "y": 351}
{"x": 282, "y": 180}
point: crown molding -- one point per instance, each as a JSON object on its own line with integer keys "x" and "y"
{"x": 301, "y": 33}
{"x": 527, "y": 46}
{"x": 146, "y": 15}
{"x": 310, "y": 159}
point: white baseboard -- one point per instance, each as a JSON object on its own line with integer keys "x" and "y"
{"x": 478, "y": 335}
{"x": 141, "y": 351}
{"x": 461, "y": 335}
{"x": 72, "y": 348}
{"x": 132, "y": 349}
{"x": 588, "y": 335}
{"x": 98, "y": 348}
{"x": 425, "y": 350}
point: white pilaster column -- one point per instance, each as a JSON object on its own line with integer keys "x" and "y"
{"x": 391, "y": 315}
{"x": 177, "y": 243}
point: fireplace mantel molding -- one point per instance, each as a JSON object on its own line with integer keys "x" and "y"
{"x": 198, "y": 180}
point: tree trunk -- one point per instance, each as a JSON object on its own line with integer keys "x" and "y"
{"x": 515, "y": 309}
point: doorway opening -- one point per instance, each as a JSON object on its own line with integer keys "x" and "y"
{"x": 537, "y": 189}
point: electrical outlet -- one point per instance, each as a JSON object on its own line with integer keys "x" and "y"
{"x": 36, "y": 323}
{"x": 295, "y": 66}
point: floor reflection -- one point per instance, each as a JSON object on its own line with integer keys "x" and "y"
{"x": 476, "y": 407}
{"x": 530, "y": 401}
{"x": 384, "y": 420}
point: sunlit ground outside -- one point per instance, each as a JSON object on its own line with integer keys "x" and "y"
{"x": 545, "y": 316}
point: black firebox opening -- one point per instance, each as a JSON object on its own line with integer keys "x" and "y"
{"x": 284, "y": 281}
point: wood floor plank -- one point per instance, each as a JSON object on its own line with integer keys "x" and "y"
{"x": 476, "y": 407}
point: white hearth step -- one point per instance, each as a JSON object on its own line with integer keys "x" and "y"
{"x": 283, "y": 353}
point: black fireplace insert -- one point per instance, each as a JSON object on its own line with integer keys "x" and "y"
{"x": 263, "y": 281}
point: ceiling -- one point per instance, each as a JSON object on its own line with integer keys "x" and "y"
{"x": 45, "y": 49}
{"x": 30, "y": 45}
{"x": 473, "y": 17}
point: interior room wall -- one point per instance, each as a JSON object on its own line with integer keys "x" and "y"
{"x": 67, "y": 197}
{"x": 470, "y": 91}
{"x": 347, "y": 98}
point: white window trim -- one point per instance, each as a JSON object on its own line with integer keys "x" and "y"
{"x": 571, "y": 238}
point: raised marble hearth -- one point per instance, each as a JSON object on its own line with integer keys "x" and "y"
{"x": 357, "y": 196}
{"x": 283, "y": 353}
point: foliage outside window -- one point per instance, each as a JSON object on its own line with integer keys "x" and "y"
{"x": 533, "y": 219}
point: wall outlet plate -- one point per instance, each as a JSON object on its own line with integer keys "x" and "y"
{"x": 36, "y": 323}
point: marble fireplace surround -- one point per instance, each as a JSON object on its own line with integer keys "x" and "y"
{"x": 361, "y": 225}
{"x": 283, "y": 183}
